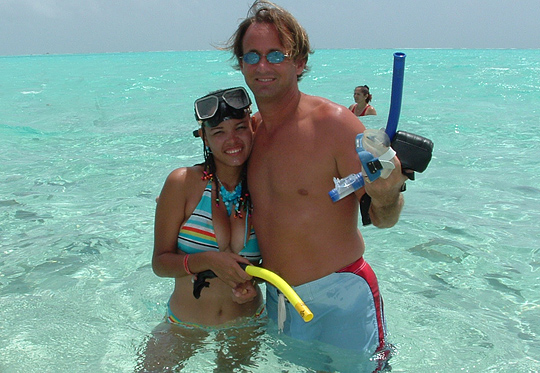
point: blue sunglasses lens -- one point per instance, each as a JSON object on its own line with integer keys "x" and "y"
{"x": 275, "y": 57}
{"x": 252, "y": 58}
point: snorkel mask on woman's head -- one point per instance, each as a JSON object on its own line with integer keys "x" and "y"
{"x": 218, "y": 106}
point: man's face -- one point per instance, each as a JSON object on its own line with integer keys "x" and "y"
{"x": 267, "y": 79}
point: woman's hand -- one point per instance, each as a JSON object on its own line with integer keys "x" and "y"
{"x": 225, "y": 266}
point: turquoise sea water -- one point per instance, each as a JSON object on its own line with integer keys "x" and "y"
{"x": 86, "y": 142}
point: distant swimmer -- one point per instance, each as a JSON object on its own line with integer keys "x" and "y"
{"x": 362, "y": 97}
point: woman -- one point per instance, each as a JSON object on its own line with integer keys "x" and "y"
{"x": 362, "y": 98}
{"x": 203, "y": 223}
{"x": 202, "y": 219}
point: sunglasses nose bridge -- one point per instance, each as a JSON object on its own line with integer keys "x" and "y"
{"x": 263, "y": 63}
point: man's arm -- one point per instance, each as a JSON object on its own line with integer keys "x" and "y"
{"x": 386, "y": 216}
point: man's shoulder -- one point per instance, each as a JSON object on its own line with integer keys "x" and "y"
{"x": 326, "y": 112}
{"x": 321, "y": 102}
{"x": 326, "y": 103}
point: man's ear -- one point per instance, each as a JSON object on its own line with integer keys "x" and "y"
{"x": 300, "y": 66}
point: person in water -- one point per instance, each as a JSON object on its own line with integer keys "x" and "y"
{"x": 203, "y": 223}
{"x": 362, "y": 98}
{"x": 311, "y": 242}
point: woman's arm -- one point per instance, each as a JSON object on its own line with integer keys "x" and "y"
{"x": 170, "y": 215}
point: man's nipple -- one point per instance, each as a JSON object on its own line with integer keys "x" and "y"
{"x": 303, "y": 192}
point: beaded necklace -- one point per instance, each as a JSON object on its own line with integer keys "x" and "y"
{"x": 233, "y": 201}
{"x": 230, "y": 199}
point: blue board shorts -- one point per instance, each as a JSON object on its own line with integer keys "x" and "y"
{"x": 347, "y": 310}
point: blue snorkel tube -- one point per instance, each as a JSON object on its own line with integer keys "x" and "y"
{"x": 396, "y": 95}
{"x": 353, "y": 182}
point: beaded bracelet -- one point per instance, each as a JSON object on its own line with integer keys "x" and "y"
{"x": 186, "y": 268}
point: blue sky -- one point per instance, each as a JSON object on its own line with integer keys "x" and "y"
{"x": 98, "y": 26}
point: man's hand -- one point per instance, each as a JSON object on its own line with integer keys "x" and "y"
{"x": 386, "y": 198}
{"x": 244, "y": 292}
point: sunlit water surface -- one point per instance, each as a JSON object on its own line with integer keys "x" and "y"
{"x": 87, "y": 141}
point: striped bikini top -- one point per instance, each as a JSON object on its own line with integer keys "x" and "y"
{"x": 197, "y": 234}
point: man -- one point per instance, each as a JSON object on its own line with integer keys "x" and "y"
{"x": 301, "y": 143}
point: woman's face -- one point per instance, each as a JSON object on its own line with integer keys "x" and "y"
{"x": 230, "y": 141}
{"x": 359, "y": 96}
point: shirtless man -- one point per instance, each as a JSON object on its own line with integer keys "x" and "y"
{"x": 301, "y": 143}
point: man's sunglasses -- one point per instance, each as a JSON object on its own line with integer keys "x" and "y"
{"x": 251, "y": 58}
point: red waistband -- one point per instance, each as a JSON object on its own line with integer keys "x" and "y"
{"x": 354, "y": 267}
{"x": 364, "y": 270}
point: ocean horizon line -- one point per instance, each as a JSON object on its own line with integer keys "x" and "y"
{"x": 226, "y": 52}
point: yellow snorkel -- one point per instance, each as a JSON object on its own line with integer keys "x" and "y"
{"x": 200, "y": 283}
{"x": 284, "y": 287}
